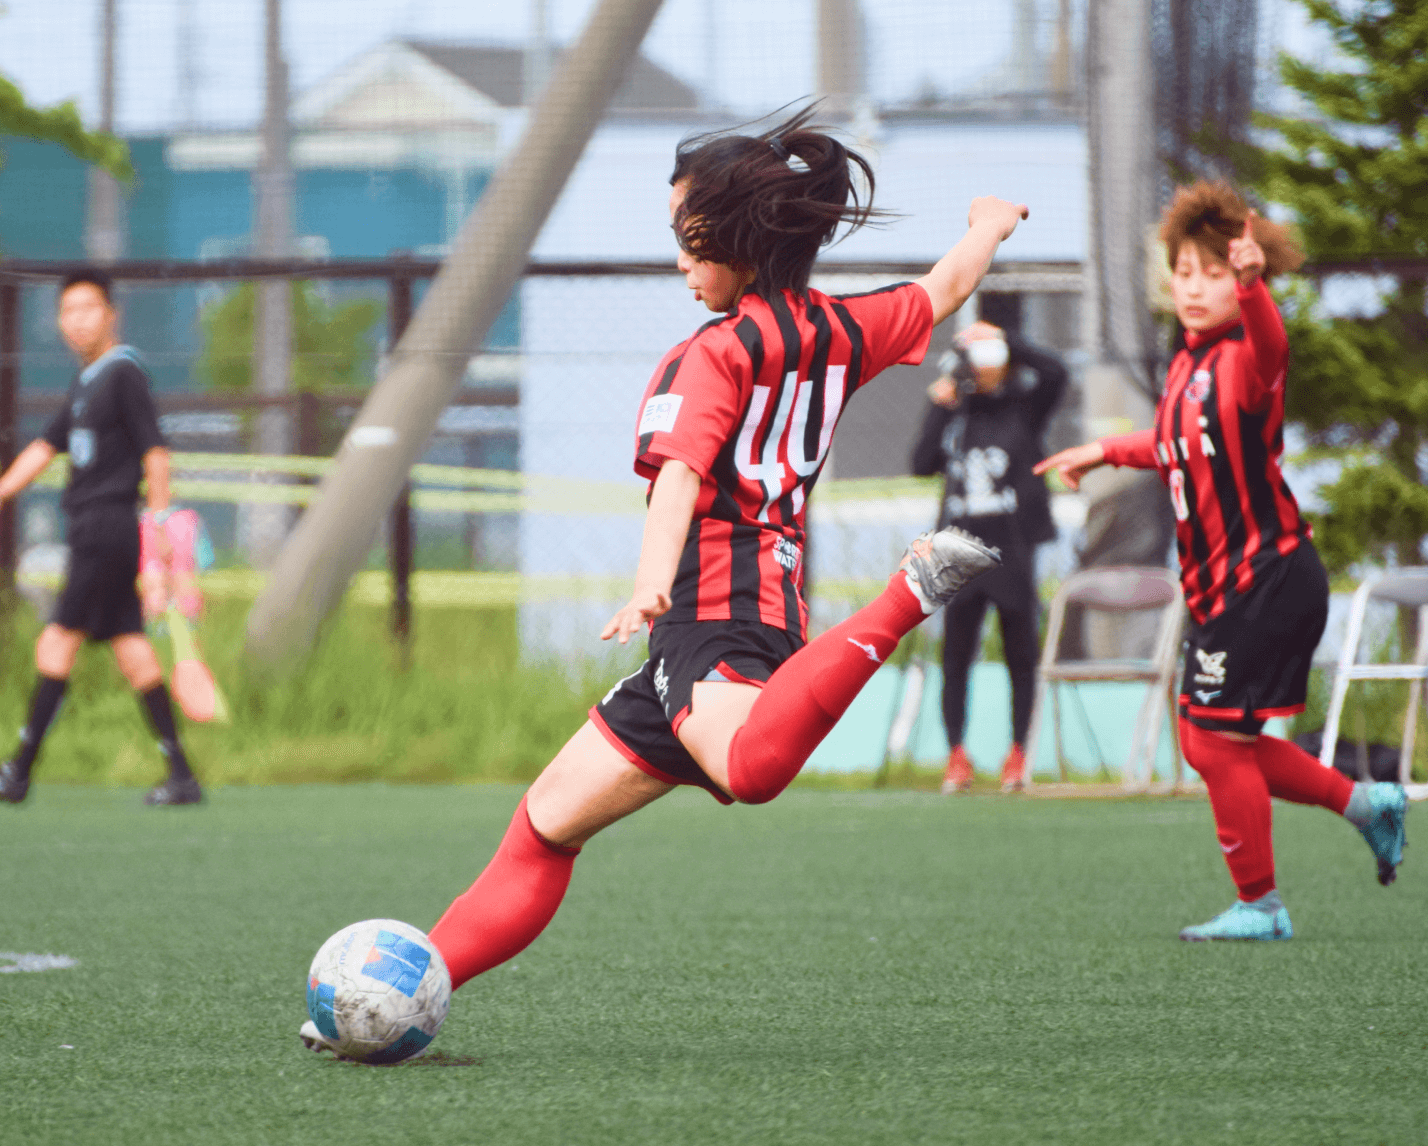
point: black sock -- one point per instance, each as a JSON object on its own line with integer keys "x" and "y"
{"x": 44, "y": 703}
{"x": 161, "y": 716}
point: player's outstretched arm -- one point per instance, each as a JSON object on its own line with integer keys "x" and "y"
{"x": 26, "y": 468}
{"x": 1073, "y": 463}
{"x": 951, "y": 282}
{"x": 666, "y": 527}
{"x": 1135, "y": 450}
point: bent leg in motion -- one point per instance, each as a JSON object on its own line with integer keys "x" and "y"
{"x": 1377, "y": 810}
{"x": 804, "y": 699}
{"x": 587, "y": 787}
{"x": 136, "y": 660}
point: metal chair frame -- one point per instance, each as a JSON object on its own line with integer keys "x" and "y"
{"x": 1117, "y": 589}
{"x": 1404, "y": 587}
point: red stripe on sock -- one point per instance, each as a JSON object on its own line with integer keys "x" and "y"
{"x": 510, "y": 903}
{"x": 804, "y": 699}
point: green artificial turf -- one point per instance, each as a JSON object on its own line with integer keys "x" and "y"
{"x": 875, "y": 967}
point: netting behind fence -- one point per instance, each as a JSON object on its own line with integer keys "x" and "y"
{"x": 526, "y": 495}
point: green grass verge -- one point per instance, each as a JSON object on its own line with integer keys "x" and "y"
{"x": 464, "y": 709}
{"x": 870, "y": 968}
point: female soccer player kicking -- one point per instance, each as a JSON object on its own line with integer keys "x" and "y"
{"x": 732, "y": 432}
{"x": 1257, "y": 592}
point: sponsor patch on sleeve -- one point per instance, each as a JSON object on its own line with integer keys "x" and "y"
{"x": 659, "y": 414}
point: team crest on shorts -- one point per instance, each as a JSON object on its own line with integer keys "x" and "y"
{"x": 1212, "y": 667}
{"x": 1199, "y": 388}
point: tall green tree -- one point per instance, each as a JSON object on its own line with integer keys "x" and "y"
{"x": 332, "y": 344}
{"x": 61, "y": 124}
{"x": 1356, "y": 177}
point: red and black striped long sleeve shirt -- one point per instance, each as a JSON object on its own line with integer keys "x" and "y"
{"x": 1217, "y": 441}
{"x": 750, "y": 403}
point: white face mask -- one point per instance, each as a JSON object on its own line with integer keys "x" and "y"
{"x": 988, "y": 352}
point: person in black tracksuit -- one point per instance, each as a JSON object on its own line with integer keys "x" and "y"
{"x": 110, "y": 429}
{"x": 983, "y": 432}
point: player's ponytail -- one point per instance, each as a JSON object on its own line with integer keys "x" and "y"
{"x": 768, "y": 202}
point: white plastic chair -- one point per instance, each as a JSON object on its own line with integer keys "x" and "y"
{"x": 1404, "y": 587}
{"x": 1116, "y": 589}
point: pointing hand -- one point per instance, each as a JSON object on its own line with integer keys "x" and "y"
{"x": 1246, "y": 255}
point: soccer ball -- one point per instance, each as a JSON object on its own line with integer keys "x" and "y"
{"x": 378, "y": 991}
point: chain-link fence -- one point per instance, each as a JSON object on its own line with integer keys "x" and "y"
{"x": 525, "y": 495}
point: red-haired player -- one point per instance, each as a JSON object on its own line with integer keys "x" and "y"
{"x": 732, "y": 433}
{"x": 1257, "y": 592}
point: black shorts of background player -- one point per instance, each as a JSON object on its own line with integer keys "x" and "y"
{"x": 110, "y": 430}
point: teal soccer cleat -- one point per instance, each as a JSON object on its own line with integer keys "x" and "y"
{"x": 1384, "y": 832}
{"x": 1265, "y": 918}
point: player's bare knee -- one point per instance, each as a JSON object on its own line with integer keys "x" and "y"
{"x": 56, "y": 650}
{"x": 137, "y": 661}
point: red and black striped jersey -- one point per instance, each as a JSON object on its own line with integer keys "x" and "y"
{"x": 1217, "y": 441}
{"x": 750, "y": 403}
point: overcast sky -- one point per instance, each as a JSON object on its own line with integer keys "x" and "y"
{"x": 756, "y": 54}
{"x": 763, "y": 51}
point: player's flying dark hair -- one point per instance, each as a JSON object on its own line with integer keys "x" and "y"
{"x": 91, "y": 275}
{"x": 768, "y": 202}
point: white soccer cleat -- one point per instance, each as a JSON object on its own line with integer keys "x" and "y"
{"x": 938, "y": 564}
{"x": 313, "y": 1039}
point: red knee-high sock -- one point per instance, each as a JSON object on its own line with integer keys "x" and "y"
{"x": 1294, "y": 775}
{"x": 803, "y": 700}
{"x": 1239, "y": 797}
{"x": 509, "y": 904}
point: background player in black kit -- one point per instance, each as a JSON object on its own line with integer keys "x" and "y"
{"x": 110, "y": 430}
{"x": 983, "y": 431}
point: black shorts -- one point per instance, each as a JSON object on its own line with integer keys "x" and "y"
{"x": 1252, "y": 661}
{"x": 100, "y": 598}
{"x": 641, "y": 715}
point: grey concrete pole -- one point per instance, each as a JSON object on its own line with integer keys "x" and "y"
{"x": 104, "y": 230}
{"x": 333, "y": 538}
{"x": 1128, "y": 521}
{"x": 265, "y": 526}
{"x": 840, "y": 54}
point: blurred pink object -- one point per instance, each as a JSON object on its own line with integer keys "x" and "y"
{"x": 174, "y": 578}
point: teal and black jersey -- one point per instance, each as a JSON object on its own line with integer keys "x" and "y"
{"x": 107, "y": 425}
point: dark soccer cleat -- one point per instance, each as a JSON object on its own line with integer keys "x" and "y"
{"x": 938, "y": 564}
{"x": 14, "y": 783}
{"x": 174, "y": 791}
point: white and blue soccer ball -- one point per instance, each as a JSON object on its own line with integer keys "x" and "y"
{"x": 378, "y": 991}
